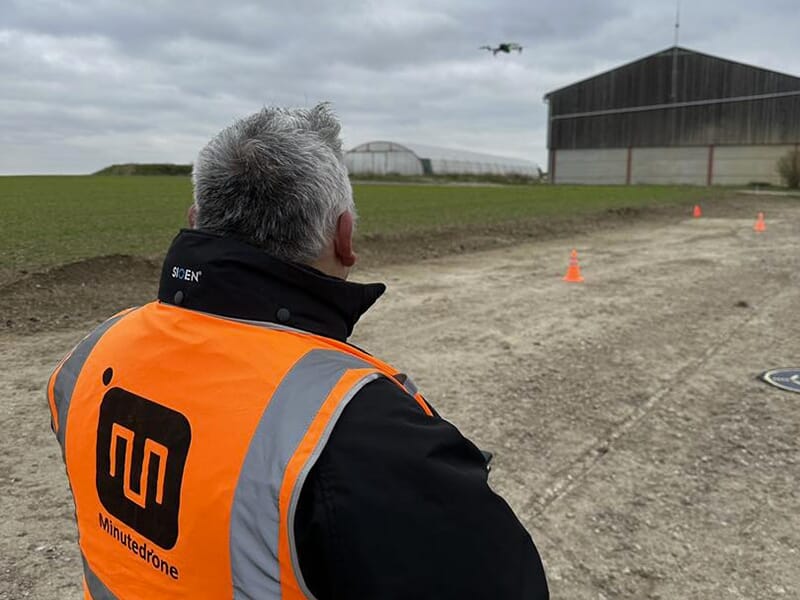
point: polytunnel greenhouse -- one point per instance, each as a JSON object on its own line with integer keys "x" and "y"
{"x": 392, "y": 158}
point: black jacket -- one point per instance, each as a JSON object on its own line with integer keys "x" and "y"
{"x": 398, "y": 505}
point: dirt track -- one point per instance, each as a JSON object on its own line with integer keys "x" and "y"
{"x": 630, "y": 433}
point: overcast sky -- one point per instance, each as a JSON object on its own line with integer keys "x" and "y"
{"x": 87, "y": 83}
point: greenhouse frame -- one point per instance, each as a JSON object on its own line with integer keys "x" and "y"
{"x": 393, "y": 158}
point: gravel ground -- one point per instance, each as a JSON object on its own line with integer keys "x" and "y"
{"x": 630, "y": 433}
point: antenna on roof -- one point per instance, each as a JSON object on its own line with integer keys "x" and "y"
{"x": 674, "y": 90}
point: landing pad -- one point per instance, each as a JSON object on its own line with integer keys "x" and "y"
{"x": 786, "y": 379}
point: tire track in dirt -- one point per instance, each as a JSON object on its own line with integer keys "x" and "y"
{"x": 590, "y": 458}
{"x": 699, "y": 499}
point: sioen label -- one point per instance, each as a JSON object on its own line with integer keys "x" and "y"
{"x": 186, "y": 274}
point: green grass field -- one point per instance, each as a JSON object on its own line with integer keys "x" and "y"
{"x": 46, "y": 221}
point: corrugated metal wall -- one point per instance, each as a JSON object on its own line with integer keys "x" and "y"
{"x": 774, "y": 121}
{"x": 706, "y": 101}
{"x": 647, "y": 83}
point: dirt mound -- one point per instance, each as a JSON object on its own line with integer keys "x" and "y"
{"x": 383, "y": 249}
{"x": 78, "y": 292}
{"x": 91, "y": 290}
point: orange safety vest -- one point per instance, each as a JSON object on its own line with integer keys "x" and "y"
{"x": 187, "y": 438}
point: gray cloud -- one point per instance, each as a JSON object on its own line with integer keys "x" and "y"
{"x": 90, "y": 82}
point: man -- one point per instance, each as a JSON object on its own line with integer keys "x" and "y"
{"x": 227, "y": 441}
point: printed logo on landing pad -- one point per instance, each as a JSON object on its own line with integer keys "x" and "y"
{"x": 785, "y": 379}
{"x": 141, "y": 454}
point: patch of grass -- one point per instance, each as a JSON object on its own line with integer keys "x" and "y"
{"x": 395, "y": 209}
{"x": 47, "y": 221}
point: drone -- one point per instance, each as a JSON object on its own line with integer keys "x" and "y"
{"x": 506, "y": 47}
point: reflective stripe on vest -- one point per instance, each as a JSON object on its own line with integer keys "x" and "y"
{"x": 187, "y": 439}
{"x": 93, "y": 588}
{"x": 402, "y": 379}
{"x": 62, "y": 381}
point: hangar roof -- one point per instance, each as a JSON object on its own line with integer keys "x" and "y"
{"x": 702, "y": 76}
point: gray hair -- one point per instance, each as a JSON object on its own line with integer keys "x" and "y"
{"x": 277, "y": 180}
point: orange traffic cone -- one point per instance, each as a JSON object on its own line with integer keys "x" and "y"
{"x": 761, "y": 225}
{"x": 697, "y": 213}
{"x": 574, "y": 270}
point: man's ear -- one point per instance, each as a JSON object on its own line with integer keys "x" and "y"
{"x": 343, "y": 240}
{"x": 192, "y": 215}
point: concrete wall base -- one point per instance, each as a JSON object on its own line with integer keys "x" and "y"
{"x": 692, "y": 165}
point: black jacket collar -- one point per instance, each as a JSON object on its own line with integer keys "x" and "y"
{"x": 230, "y": 278}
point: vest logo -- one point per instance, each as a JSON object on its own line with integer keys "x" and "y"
{"x": 140, "y": 457}
{"x": 185, "y": 274}
{"x": 150, "y": 448}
